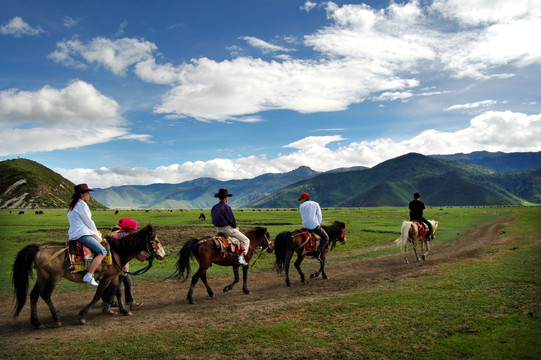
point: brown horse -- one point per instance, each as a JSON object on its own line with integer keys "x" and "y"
{"x": 286, "y": 243}
{"x": 206, "y": 254}
{"x": 51, "y": 263}
{"x": 410, "y": 234}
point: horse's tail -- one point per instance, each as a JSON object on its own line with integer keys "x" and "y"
{"x": 402, "y": 241}
{"x": 22, "y": 270}
{"x": 281, "y": 244}
{"x": 185, "y": 254}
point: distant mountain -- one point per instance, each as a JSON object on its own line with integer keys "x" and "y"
{"x": 499, "y": 161}
{"x": 442, "y": 182}
{"x": 28, "y": 184}
{"x": 393, "y": 182}
{"x": 198, "y": 193}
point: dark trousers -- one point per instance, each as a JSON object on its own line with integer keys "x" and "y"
{"x": 109, "y": 294}
{"x": 323, "y": 235}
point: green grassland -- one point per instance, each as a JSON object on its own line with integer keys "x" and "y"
{"x": 484, "y": 309}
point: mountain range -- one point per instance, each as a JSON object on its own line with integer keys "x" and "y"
{"x": 480, "y": 178}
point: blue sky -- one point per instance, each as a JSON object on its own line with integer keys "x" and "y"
{"x": 137, "y": 92}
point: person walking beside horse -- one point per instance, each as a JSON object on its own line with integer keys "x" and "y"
{"x": 224, "y": 220}
{"x": 311, "y": 221}
{"x": 83, "y": 229}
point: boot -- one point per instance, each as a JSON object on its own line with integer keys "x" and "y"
{"x": 242, "y": 261}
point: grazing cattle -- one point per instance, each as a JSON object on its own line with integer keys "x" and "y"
{"x": 21, "y": 213}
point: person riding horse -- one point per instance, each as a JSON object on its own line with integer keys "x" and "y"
{"x": 224, "y": 220}
{"x": 83, "y": 229}
{"x": 311, "y": 221}
{"x": 417, "y": 207}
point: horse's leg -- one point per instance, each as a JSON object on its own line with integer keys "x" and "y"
{"x": 97, "y": 296}
{"x": 34, "y": 297}
{"x": 415, "y": 242}
{"x": 235, "y": 280}
{"x": 118, "y": 294}
{"x": 245, "y": 280}
{"x": 426, "y": 243}
{"x": 286, "y": 267}
{"x": 204, "y": 280}
{"x": 195, "y": 278}
{"x": 46, "y": 293}
{"x": 297, "y": 264}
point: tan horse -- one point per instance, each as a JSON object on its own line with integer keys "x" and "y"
{"x": 410, "y": 234}
{"x": 51, "y": 263}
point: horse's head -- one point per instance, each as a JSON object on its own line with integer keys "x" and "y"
{"x": 434, "y": 225}
{"x": 152, "y": 243}
{"x": 342, "y": 231}
{"x": 336, "y": 232}
{"x": 263, "y": 239}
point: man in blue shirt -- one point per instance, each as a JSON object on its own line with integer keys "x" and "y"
{"x": 224, "y": 220}
{"x": 311, "y": 220}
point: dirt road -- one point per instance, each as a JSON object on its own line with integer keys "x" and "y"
{"x": 165, "y": 305}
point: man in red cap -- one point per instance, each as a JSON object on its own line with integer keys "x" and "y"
{"x": 311, "y": 220}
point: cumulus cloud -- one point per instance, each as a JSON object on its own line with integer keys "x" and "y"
{"x": 18, "y": 27}
{"x": 52, "y": 119}
{"x": 363, "y": 54}
{"x": 114, "y": 55}
{"x": 490, "y": 131}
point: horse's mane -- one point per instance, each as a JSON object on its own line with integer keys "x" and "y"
{"x": 258, "y": 230}
{"x": 130, "y": 245}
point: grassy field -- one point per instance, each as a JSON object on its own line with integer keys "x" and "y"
{"x": 484, "y": 309}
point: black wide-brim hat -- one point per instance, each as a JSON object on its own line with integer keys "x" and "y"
{"x": 222, "y": 193}
{"x": 81, "y": 188}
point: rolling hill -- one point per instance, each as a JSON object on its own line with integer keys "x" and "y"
{"x": 28, "y": 184}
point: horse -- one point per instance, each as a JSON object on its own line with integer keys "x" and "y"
{"x": 286, "y": 243}
{"x": 52, "y": 263}
{"x": 206, "y": 253}
{"x": 410, "y": 233}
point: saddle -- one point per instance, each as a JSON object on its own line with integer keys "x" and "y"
{"x": 311, "y": 240}
{"x": 228, "y": 244}
{"x": 423, "y": 228}
{"x": 80, "y": 256}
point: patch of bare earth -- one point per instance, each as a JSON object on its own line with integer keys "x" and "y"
{"x": 165, "y": 306}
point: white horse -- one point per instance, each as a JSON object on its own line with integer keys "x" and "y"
{"x": 410, "y": 233}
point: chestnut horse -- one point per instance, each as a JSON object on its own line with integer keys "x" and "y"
{"x": 286, "y": 243}
{"x": 51, "y": 263}
{"x": 410, "y": 234}
{"x": 206, "y": 254}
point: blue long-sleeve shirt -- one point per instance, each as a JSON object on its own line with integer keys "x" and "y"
{"x": 222, "y": 215}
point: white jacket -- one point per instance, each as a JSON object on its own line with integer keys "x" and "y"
{"x": 80, "y": 220}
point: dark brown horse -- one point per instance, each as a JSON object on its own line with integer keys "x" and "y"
{"x": 287, "y": 243}
{"x": 51, "y": 263}
{"x": 206, "y": 254}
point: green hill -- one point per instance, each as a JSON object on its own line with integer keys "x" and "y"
{"x": 393, "y": 182}
{"x": 26, "y": 184}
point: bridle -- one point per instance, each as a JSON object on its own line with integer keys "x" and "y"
{"x": 269, "y": 245}
{"x": 155, "y": 245}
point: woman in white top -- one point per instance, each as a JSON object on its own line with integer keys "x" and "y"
{"x": 83, "y": 229}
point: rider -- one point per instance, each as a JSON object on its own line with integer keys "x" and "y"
{"x": 83, "y": 229}
{"x": 224, "y": 220}
{"x": 417, "y": 207}
{"x": 311, "y": 221}
{"x": 124, "y": 227}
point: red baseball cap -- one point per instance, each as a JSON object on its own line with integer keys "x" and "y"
{"x": 303, "y": 195}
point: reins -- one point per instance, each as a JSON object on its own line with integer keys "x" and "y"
{"x": 261, "y": 252}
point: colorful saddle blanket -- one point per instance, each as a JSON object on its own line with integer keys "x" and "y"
{"x": 80, "y": 256}
{"x": 423, "y": 228}
{"x": 312, "y": 240}
{"x": 228, "y": 244}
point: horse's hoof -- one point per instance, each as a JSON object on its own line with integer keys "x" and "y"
{"x": 82, "y": 321}
{"x": 58, "y": 324}
{"x": 191, "y": 302}
{"x": 247, "y": 292}
{"x": 325, "y": 277}
{"x": 128, "y": 313}
{"x": 423, "y": 257}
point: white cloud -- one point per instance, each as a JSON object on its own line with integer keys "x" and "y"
{"x": 18, "y": 27}
{"x": 474, "y": 105}
{"x": 52, "y": 119}
{"x": 308, "y": 5}
{"x": 263, "y": 45}
{"x": 490, "y": 131}
{"x": 115, "y": 55}
{"x": 69, "y": 22}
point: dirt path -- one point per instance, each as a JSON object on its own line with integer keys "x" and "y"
{"x": 165, "y": 305}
